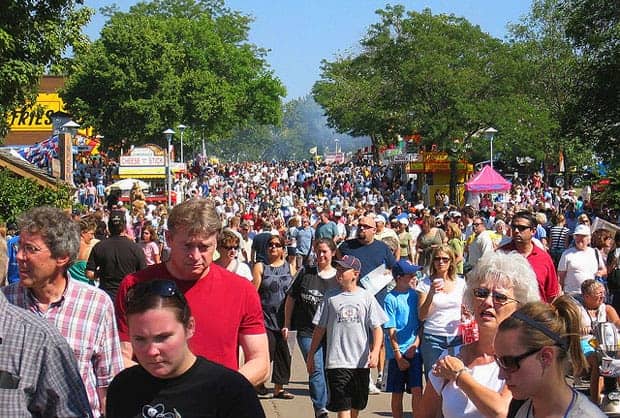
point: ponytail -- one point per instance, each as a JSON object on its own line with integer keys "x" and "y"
{"x": 568, "y": 311}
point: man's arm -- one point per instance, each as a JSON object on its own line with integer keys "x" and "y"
{"x": 317, "y": 337}
{"x": 256, "y": 352}
{"x": 377, "y": 340}
{"x": 562, "y": 276}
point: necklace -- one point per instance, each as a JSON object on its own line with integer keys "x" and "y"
{"x": 570, "y": 405}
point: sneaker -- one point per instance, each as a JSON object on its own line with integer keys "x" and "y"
{"x": 611, "y": 403}
{"x": 322, "y": 413}
{"x": 379, "y": 382}
{"x": 261, "y": 391}
{"x": 372, "y": 389}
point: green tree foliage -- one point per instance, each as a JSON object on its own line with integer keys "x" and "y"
{"x": 437, "y": 75}
{"x": 552, "y": 74}
{"x": 594, "y": 27}
{"x": 18, "y": 195}
{"x": 35, "y": 35}
{"x": 172, "y": 61}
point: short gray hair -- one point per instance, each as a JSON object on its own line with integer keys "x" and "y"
{"x": 511, "y": 270}
{"x": 58, "y": 231}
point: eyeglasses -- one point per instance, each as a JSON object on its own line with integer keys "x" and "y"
{"x": 511, "y": 364}
{"x": 520, "y": 228}
{"x": 29, "y": 249}
{"x": 499, "y": 298}
{"x": 442, "y": 259}
{"x": 274, "y": 245}
{"x": 230, "y": 248}
{"x": 364, "y": 227}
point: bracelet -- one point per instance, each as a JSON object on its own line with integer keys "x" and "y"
{"x": 460, "y": 372}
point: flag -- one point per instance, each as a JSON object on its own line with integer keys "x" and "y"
{"x": 313, "y": 150}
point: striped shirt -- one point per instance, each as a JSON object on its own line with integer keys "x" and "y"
{"x": 85, "y": 317}
{"x": 34, "y": 352}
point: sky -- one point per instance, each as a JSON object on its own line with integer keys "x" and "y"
{"x": 301, "y": 33}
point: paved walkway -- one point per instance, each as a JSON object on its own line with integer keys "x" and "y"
{"x": 301, "y": 406}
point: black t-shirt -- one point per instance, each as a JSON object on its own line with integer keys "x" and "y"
{"x": 307, "y": 291}
{"x": 206, "y": 390}
{"x": 115, "y": 257}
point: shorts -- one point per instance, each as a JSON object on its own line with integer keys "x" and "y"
{"x": 347, "y": 388}
{"x": 399, "y": 381}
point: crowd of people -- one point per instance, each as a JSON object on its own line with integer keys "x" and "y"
{"x": 473, "y": 310}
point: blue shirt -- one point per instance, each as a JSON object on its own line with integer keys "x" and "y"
{"x": 402, "y": 311}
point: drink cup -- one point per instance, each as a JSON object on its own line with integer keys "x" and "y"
{"x": 438, "y": 284}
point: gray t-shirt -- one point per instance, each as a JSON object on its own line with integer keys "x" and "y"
{"x": 349, "y": 318}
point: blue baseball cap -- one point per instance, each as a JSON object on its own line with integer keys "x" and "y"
{"x": 404, "y": 267}
{"x": 349, "y": 262}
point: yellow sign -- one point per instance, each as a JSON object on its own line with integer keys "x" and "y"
{"x": 37, "y": 117}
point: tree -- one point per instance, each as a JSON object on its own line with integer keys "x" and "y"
{"x": 552, "y": 72}
{"x": 173, "y": 61}
{"x": 34, "y": 36}
{"x": 17, "y": 195}
{"x": 594, "y": 27}
{"x": 439, "y": 76}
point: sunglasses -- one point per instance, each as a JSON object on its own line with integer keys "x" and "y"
{"x": 442, "y": 259}
{"x": 230, "y": 248}
{"x": 363, "y": 227}
{"x": 477, "y": 223}
{"x": 520, "y": 228}
{"x": 511, "y": 364}
{"x": 162, "y": 288}
{"x": 274, "y": 245}
{"x": 499, "y": 298}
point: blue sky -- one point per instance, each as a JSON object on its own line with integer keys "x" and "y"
{"x": 300, "y": 33}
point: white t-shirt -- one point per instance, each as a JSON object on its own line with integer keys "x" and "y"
{"x": 582, "y": 407}
{"x": 579, "y": 265}
{"x": 455, "y": 402}
{"x": 444, "y": 315}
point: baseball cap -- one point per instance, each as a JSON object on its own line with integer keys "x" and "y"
{"x": 350, "y": 262}
{"x": 380, "y": 218}
{"x": 582, "y": 230}
{"x": 116, "y": 218}
{"x": 403, "y": 267}
{"x": 404, "y": 221}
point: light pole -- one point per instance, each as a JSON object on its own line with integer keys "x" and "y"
{"x": 168, "y": 134}
{"x": 181, "y": 128}
{"x": 71, "y": 128}
{"x": 336, "y": 140}
{"x": 490, "y": 133}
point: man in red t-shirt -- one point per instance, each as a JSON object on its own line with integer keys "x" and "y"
{"x": 523, "y": 226}
{"x": 226, "y": 307}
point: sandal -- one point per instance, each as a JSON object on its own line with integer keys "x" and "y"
{"x": 283, "y": 395}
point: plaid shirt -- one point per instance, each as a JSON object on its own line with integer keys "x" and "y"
{"x": 85, "y": 317}
{"x": 35, "y": 353}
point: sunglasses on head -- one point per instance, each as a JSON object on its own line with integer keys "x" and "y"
{"x": 511, "y": 364}
{"x": 162, "y": 288}
{"x": 499, "y": 298}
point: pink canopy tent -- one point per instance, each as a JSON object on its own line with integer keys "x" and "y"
{"x": 487, "y": 180}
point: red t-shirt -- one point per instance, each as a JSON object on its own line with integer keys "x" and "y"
{"x": 223, "y": 304}
{"x": 542, "y": 264}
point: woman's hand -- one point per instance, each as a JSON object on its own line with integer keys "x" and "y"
{"x": 448, "y": 368}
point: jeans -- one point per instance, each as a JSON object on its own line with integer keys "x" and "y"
{"x": 432, "y": 346}
{"x": 318, "y": 386}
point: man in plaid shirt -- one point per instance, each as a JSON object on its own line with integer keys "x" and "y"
{"x": 84, "y": 315}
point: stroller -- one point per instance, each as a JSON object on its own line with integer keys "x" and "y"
{"x": 607, "y": 345}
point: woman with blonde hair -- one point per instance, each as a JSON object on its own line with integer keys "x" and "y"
{"x": 454, "y": 233}
{"x": 532, "y": 349}
{"x": 430, "y": 238}
{"x": 440, "y": 299}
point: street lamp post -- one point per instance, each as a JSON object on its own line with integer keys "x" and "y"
{"x": 490, "y": 134}
{"x": 168, "y": 134}
{"x": 181, "y": 128}
{"x": 336, "y": 140}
